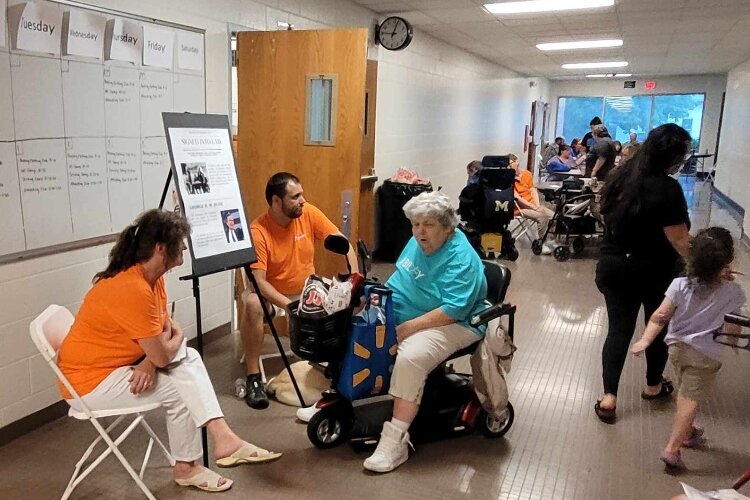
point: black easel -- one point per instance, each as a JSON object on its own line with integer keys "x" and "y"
{"x": 199, "y": 324}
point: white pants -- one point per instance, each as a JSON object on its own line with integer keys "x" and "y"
{"x": 421, "y": 353}
{"x": 183, "y": 389}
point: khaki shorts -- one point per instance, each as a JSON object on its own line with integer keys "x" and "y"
{"x": 421, "y": 353}
{"x": 275, "y": 310}
{"x": 695, "y": 372}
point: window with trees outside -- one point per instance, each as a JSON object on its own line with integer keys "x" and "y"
{"x": 625, "y": 114}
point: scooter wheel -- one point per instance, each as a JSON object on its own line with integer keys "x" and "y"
{"x": 536, "y": 247}
{"x": 493, "y": 427}
{"x": 328, "y": 428}
{"x": 561, "y": 253}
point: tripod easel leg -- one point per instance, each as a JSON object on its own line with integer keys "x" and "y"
{"x": 272, "y": 327}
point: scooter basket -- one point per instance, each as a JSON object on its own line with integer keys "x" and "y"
{"x": 319, "y": 339}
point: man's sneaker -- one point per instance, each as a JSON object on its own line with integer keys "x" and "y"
{"x": 256, "y": 396}
{"x": 548, "y": 247}
{"x": 392, "y": 450}
{"x": 305, "y": 414}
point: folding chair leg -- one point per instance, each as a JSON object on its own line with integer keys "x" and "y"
{"x": 112, "y": 447}
{"x": 269, "y": 356}
{"x": 146, "y": 457}
{"x": 73, "y": 483}
{"x": 154, "y": 437}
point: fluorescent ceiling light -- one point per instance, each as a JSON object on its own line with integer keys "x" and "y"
{"x": 610, "y": 64}
{"x": 610, "y": 75}
{"x": 588, "y": 44}
{"x": 545, "y": 6}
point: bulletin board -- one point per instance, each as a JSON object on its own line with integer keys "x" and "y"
{"x": 82, "y": 144}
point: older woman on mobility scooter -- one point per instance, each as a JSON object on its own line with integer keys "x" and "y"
{"x": 438, "y": 285}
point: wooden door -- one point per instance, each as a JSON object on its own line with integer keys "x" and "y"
{"x": 273, "y": 68}
{"x": 367, "y": 166}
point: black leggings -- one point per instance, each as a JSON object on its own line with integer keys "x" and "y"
{"x": 627, "y": 284}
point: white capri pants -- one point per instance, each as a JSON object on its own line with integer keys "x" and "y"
{"x": 184, "y": 389}
{"x": 421, "y": 353}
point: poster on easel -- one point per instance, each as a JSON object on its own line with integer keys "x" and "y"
{"x": 205, "y": 175}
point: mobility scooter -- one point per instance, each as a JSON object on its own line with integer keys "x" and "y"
{"x": 449, "y": 405}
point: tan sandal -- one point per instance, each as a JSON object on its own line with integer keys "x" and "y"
{"x": 206, "y": 480}
{"x": 247, "y": 454}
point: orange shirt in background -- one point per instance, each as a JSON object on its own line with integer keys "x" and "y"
{"x": 115, "y": 313}
{"x": 525, "y": 185}
{"x": 286, "y": 253}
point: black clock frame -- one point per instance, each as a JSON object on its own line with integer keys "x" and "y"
{"x": 409, "y": 33}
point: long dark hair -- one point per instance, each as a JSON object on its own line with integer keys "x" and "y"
{"x": 138, "y": 241}
{"x": 664, "y": 148}
{"x": 710, "y": 252}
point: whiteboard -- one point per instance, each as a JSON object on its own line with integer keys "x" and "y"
{"x": 82, "y": 142}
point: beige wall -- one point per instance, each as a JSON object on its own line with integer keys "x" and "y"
{"x": 438, "y": 108}
{"x": 733, "y": 168}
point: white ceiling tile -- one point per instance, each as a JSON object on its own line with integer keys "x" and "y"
{"x": 418, "y": 18}
{"x": 381, "y": 7}
{"x": 660, "y": 36}
{"x": 642, "y": 5}
{"x": 461, "y": 15}
{"x": 428, "y": 5}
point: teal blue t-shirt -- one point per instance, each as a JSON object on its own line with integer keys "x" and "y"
{"x": 451, "y": 278}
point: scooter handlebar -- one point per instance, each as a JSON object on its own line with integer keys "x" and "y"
{"x": 492, "y": 312}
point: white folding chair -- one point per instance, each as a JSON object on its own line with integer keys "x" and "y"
{"x": 523, "y": 225}
{"x": 48, "y": 331}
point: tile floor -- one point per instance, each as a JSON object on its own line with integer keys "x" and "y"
{"x": 556, "y": 449}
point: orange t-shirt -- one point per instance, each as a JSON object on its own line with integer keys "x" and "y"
{"x": 286, "y": 253}
{"x": 115, "y": 313}
{"x": 524, "y": 185}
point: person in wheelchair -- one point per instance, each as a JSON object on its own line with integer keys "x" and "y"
{"x": 438, "y": 284}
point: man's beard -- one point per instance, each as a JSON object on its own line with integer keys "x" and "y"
{"x": 293, "y": 213}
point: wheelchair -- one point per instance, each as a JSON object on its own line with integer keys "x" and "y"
{"x": 487, "y": 208}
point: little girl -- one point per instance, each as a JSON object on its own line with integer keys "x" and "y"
{"x": 696, "y": 306}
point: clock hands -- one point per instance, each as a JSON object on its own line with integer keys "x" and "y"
{"x": 395, "y": 33}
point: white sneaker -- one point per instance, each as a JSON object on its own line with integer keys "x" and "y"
{"x": 305, "y": 414}
{"x": 392, "y": 450}
{"x": 548, "y": 248}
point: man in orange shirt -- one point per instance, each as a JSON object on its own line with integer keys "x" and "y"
{"x": 528, "y": 200}
{"x": 284, "y": 239}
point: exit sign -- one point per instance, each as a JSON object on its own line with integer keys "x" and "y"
{"x": 650, "y": 85}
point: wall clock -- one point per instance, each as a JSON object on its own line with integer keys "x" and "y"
{"x": 395, "y": 33}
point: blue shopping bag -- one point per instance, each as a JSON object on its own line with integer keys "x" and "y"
{"x": 371, "y": 353}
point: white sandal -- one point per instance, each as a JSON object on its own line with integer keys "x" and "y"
{"x": 248, "y": 453}
{"x": 206, "y": 480}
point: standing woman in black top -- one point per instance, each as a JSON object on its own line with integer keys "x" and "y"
{"x": 647, "y": 224}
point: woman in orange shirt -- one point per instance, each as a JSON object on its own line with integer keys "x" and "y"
{"x": 125, "y": 350}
